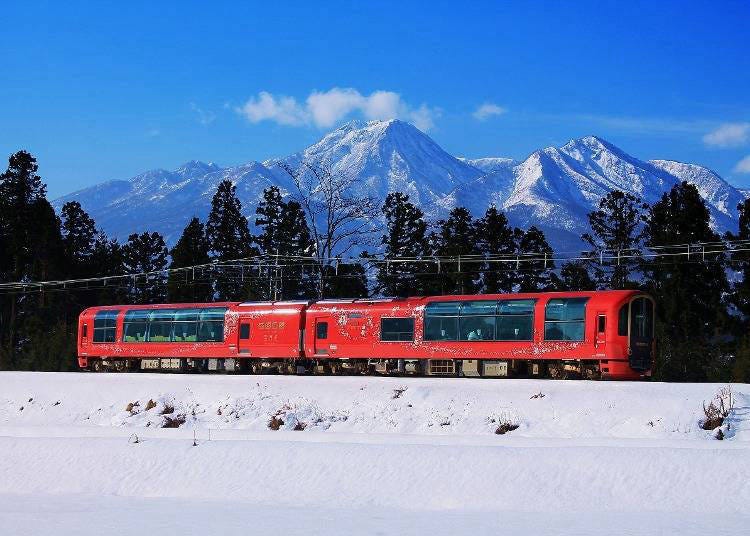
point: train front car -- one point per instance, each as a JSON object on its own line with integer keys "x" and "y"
{"x": 598, "y": 334}
{"x": 229, "y": 337}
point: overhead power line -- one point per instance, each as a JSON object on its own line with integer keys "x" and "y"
{"x": 267, "y": 267}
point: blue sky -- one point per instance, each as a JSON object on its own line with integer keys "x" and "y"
{"x": 105, "y": 91}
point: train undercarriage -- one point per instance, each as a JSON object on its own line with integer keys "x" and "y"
{"x": 484, "y": 368}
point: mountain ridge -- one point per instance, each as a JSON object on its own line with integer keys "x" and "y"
{"x": 553, "y": 188}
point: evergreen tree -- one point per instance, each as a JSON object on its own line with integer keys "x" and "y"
{"x": 741, "y": 263}
{"x": 347, "y": 280}
{"x": 688, "y": 292}
{"x": 536, "y": 273}
{"x": 145, "y": 253}
{"x": 617, "y": 227}
{"x": 229, "y": 238}
{"x": 405, "y": 238}
{"x": 79, "y": 239}
{"x": 457, "y": 237}
{"x": 496, "y": 238}
{"x": 285, "y": 233}
{"x": 191, "y": 250}
{"x": 574, "y": 275}
{"x": 32, "y": 251}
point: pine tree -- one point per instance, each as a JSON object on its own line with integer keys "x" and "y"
{"x": 32, "y": 251}
{"x": 79, "y": 238}
{"x": 285, "y": 239}
{"x": 617, "y": 227}
{"x": 405, "y": 238}
{"x": 496, "y": 238}
{"x": 536, "y": 273}
{"x": 345, "y": 280}
{"x": 574, "y": 275}
{"x": 229, "y": 238}
{"x": 688, "y": 292}
{"x": 457, "y": 237}
{"x": 146, "y": 253}
{"x": 191, "y": 250}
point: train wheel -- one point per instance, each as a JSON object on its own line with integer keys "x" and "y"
{"x": 557, "y": 371}
{"x": 97, "y": 365}
{"x": 121, "y": 365}
{"x": 255, "y": 368}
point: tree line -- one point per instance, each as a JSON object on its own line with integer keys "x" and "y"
{"x": 703, "y": 304}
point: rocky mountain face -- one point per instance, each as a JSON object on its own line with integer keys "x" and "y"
{"x": 553, "y": 188}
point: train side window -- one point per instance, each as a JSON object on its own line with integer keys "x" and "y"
{"x": 135, "y": 325}
{"x": 515, "y": 320}
{"x": 602, "y": 323}
{"x": 211, "y": 324}
{"x": 160, "y": 325}
{"x": 441, "y": 321}
{"x": 564, "y": 319}
{"x": 105, "y": 326}
{"x": 622, "y": 320}
{"x": 321, "y": 330}
{"x": 185, "y": 325}
{"x": 396, "y": 329}
{"x": 244, "y": 331}
{"x": 85, "y": 332}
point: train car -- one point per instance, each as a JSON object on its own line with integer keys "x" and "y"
{"x": 196, "y": 336}
{"x": 586, "y": 334}
{"x": 598, "y": 334}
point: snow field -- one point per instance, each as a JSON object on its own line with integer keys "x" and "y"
{"x": 398, "y": 454}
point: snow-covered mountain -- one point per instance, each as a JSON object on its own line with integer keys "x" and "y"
{"x": 553, "y": 188}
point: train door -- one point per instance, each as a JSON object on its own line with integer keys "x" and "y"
{"x": 600, "y": 337}
{"x": 243, "y": 343}
{"x": 641, "y": 329}
{"x": 322, "y": 345}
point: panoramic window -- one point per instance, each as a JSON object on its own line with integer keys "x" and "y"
{"x": 477, "y": 321}
{"x": 174, "y": 325}
{"x": 564, "y": 319}
{"x": 105, "y": 326}
{"x": 396, "y": 329}
{"x": 441, "y": 321}
{"x": 506, "y": 320}
{"x": 515, "y": 320}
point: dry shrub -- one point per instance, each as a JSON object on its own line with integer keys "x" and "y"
{"x": 150, "y": 405}
{"x": 398, "y": 392}
{"x": 538, "y": 395}
{"x": 505, "y": 427}
{"x": 275, "y": 423}
{"x": 173, "y": 422}
{"x": 168, "y": 409}
{"x": 718, "y": 409}
{"x": 131, "y": 408}
{"x": 300, "y": 426}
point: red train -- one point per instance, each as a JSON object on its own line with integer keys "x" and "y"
{"x": 598, "y": 334}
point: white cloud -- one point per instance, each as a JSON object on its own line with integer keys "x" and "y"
{"x": 728, "y": 135}
{"x": 487, "y": 110}
{"x": 743, "y": 166}
{"x": 266, "y": 107}
{"x": 326, "y": 108}
{"x": 205, "y": 117}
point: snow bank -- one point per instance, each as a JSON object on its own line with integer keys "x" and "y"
{"x": 418, "y": 449}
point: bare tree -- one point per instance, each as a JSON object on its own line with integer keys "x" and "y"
{"x": 339, "y": 210}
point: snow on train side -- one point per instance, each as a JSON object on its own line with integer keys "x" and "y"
{"x": 597, "y": 334}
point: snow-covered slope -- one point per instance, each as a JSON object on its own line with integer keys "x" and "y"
{"x": 391, "y": 156}
{"x": 82, "y": 454}
{"x": 553, "y": 188}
